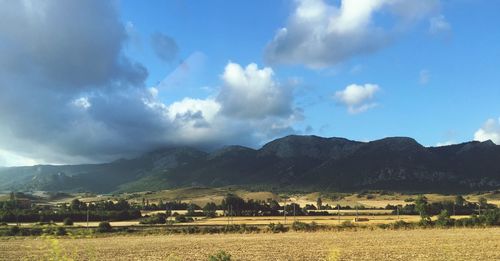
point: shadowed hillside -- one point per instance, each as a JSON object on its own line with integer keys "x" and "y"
{"x": 288, "y": 163}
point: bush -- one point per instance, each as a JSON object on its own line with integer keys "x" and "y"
{"x": 191, "y": 230}
{"x": 220, "y": 256}
{"x": 491, "y": 217}
{"x": 14, "y": 230}
{"x": 183, "y": 219}
{"x": 60, "y": 231}
{"x": 301, "y": 226}
{"x": 346, "y": 224}
{"x": 104, "y": 227}
{"x": 425, "y": 222}
{"x": 400, "y": 224}
{"x": 155, "y": 219}
{"x": 277, "y": 228}
{"x": 68, "y": 221}
{"x": 444, "y": 219}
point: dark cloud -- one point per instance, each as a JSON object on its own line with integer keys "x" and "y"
{"x": 164, "y": 46}
{"x": 68, "y": 94}
{"x": 55, "y": 52}
{"x": 74, "y": 43}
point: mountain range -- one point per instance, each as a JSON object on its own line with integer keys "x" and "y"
{"x": 291, "y": 163}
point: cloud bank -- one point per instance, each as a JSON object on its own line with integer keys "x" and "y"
{"x": 69, "y": 94}
{"x": 319, "y": 34}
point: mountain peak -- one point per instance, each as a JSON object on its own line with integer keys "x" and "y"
{"x": 232, "y": 149}
{"x": 308, "y": 146}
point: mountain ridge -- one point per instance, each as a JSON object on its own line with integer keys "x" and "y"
{"x": 292, "y": 162}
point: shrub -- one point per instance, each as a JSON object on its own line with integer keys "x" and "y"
{"x": 302, "y": 226}
{"x": 400, "y": 224}
{"x": 277, "y": 228}
{"x": 444, "y": 219}
{"x": 155, "y": 219}
{"x": 191, "y": 230}
{"x": 425, "y": 222}
{"x": 68, "y": 221}
{"x": 220, "y": 256}
{"x": 346, "y": 224}
{"x": 60, "y": 231}
{"x": 104, "y": 227}
{"x": 210, "y": 230}
{"x": 491, "y": 217}
{"x": 183, "y": 219}
{"x": 14, "y": 230}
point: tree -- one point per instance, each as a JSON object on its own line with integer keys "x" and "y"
{"x": 444, "y": 219}
{"x": 319, "y": 203}
{"x": 12, "y": 196}
{"x": 122, "y": 204}
{"x": 459, "y": 200}
{"x": 75, "y": 204}
{"x": 191, "y": 209}
{"x": 233, "y": 203}
{"x": 483, "y": 202}
{"x": 422, "y": 207}
{"x": 210, "y": 209}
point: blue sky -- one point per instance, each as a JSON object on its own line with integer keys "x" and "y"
{"x": 215, "y": 73}
{"x": 462, "y": 66}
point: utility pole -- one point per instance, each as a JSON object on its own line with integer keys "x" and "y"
{"x": 231, "y": 215}
{"x": 87, "y": 216}
{"x": 338, "y": 212}
{"x": 167, "y": 213}
{"x": 284, "y": 210}
{"x": 294, "y": 217}
{"x": 397, "y": 211}
{"x": 356, "y": 213}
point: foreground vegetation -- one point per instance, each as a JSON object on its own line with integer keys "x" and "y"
{"x": 376, "y": 244}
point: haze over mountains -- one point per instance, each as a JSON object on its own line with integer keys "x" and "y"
{"x": 289, "y": 163}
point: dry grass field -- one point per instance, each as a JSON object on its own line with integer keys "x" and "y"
{"x": 321, "y": 220}
{"x": 421, "y": 244}
{"x": 201, "y": 196}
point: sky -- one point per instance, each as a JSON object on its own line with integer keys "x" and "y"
{"x": 93, "y": 81}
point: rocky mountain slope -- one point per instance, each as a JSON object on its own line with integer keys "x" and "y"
{"x": 288, "y": 163}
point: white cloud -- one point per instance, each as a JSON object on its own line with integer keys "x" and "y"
{"x": 358, "y": 98}
{"x": 208, "y": 108}
{"x": 82, "y": 103}
{"x": 489, "y": 131}
{"x": 251, "y": 92}
{"x": 446, "y": 143}
{"x": 424, "y": 77}
{"x": 438, "y": 24}
{"x": 318, "y": 34}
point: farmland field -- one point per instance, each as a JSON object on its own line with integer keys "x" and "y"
{"x": 420, "y": 244}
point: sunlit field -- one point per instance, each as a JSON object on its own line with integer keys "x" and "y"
{"x": 420, "y": 244}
